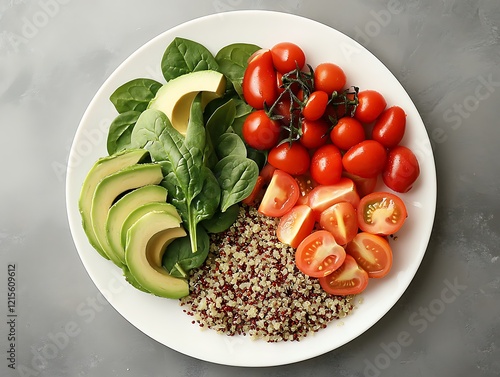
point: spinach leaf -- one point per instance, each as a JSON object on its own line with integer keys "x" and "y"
{"x": 221, "y": 221}
{"x": 134, "y": 95}
{"x": 120, "y": 131}
{"x": 260, "y": 157}
{"x": 184, "y": 56}
{"x": 237, "y": 176}
{"x": 232, "y": 60}
{"x": 147, "y": 132}
{"x": 206, "y": 203}
{"x": 179, "y": 259}
{"x": 230, "y": 144}
{"x": 220, "y": 121}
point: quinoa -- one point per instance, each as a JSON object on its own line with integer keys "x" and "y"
{"x": 249, "y": 285}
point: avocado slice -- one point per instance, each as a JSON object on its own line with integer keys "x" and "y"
{"x": 101, "y": 169}
{"x": 122, "y": 208}
{"x": 175, "y": 97}
{"x": 145, "y": 246}
{"x": 113, "y": 186}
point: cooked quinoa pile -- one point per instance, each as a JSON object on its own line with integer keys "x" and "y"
{"x": 249, "y": 285}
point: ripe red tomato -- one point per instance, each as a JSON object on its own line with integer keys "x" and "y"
{"x": 260, "y": 131}
{"x": 370, "y": 106}
{"x": 364, "y": 186}
{"x": 287, "y": 56}
{"x": 329, "y": 78}
{"x": 280, "y": 196}
{"x": 259, "y": 80}
{"x": 401, "y": 169}
{"x": 348, "y": 279}
{"x": 291, "y": 158}
{"x": 314, "y": 133}
{"x": 321, "y": 197}
{"x": 372, "y": 253}
{"x": 341, "y": 221}
{"x": 390, "y": 127}
{"x": 347, "y": 133}
{"x": 315, "y": 105}
{"x": 306, "y": 184}
{"x": 295, "y": 225}
{"x": 256, "y": 192}
{"x": 326, "y": 165}
{"x": 319, "y": 255}
{"x": 381, "y": 213}
{"x": 366, "y": 159}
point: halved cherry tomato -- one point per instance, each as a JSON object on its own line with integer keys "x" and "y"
{"x": 389, "y": 128}
{"x": 370, "y": 106}
{"x": 329, "y": 77}
{"x": 381, "y": 213}
{"x": 326, "y": 165}
{"x": 364, "y": 186}
{"x": 292, "y": 158}
{"x": 401, "y": 169}
{"x": 347, "y": 133}
{"x": 372, "y": 253}
{"x": 319, "y": 255}
{"x": 259, "y": 80}
{"x": 314, "y": 133}
{"x": 348, "y": 279}
{"x": 295, "y": 225}
{"x": 280, "y": 196}
{"x": 324, "y": 196}
{"x": 366, "y": 159}
{"x": 260, "y": 131}
{"x": 287, "y": 56}
{"x": 341, "y": 221}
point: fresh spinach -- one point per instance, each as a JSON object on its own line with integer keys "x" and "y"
{"x": 221, "y": 221}
{"x": 120, "y": 131}
{"x": 146, "y": 133}
{"x": 184, "y": 56}
{"x": 134, "y": 95}
{"x": 230, "y": 144}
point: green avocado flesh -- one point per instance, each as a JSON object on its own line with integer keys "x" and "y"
{"x": 101, "y": 169}
{"x": 146, "y": 242}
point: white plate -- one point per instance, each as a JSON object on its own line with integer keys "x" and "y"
{"x": 163, "y": 319}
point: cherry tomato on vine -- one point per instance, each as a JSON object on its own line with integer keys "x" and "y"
{"x": 329, "y": 77}
{"x": 259, "y": 80}
{"x": 370, "y": 106}
{"x": 280, "y": 196}
{"x": 292, "y": 158}
{"x": 348, "y": 279}
{"x": 287, "y": 56}
{"x": 260, "y": 131}
{"x": 401, "y": 169}
{"x": 326, "y": 165}
{"x": 366, "y": 159}
{"x": 314, "y": 133}
{"x": 381, "y": 213}
{"x": 372, "y": 253}
{"x": 347, "y": 133}
{"x": 390, "y": 127}
{"x": 315, "y": 105}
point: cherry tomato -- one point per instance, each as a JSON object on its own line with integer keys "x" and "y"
{"x": 348, "y": 279}
{"x": 365, "y": 159}
{"x": 347, "y": 133}
{"x": 364, "y": 186}
{"x": 280, "y": 196}
{"x": 341, "y": 221}
{"x": 390, "y": 127}
{"x": 314, "y": 133}
{"x": 315, "y": 105}
{"x": 287, "y": 57}
{"x": 372, "y": 253}
{"x": 370, "y": 106}
{"x": 329, "y": 78}
{"x": 291, "y": 158}
{"x": 295, "y": 225}
{"x": 401, "y": 169}
{"x": 326, "y": 165}
{"x": 381, "y": 213}
{"x": 259, "y": 80}
{"x": 260, "y": 131}
{"x": 267, "y": 173}
{"x": 319, "y": 255}
{"x": 306, "y": 184}
{"x": 321, "y": 197}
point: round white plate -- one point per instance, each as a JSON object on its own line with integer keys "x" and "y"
{"x": 163, "y": 319}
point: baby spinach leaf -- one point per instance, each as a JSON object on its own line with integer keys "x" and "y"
{"x": 184, "y": 56}
{"x": 230, "y": 144}
{"x": 237, "y": 176}
{"x": 147, "y": 132}
{"x": 134, "y": 95}
{"x": 220, "y": 121}
{"x": 120, "y": 131}
{"x": 206, "y": 203}
{"x": 221, "y": 221}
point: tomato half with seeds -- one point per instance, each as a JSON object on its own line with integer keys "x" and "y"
{"x": 381, "y": 213}
{"x": 319, "y": 254}
{"x": 341, "y": 221}
{"x": 306, "y": 184}
{"x": 292, "y": 158}
{"x": 259, "y": 80}
{"x": 295, "y": 225}
{"x": 280, "y": 196}
{"x": 348, "y": 279}
{"x": 372, "y": 253}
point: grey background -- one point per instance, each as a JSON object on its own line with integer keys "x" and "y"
{"x": 55, "y": 54}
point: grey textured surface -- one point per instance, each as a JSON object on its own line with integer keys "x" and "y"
{"x": 55, "y": 54}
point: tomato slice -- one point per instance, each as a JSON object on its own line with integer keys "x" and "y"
{"x": 381, "y": 213}
{"x": 372, "y": 253}
{"x": 319, "y": 255}
{"x": 348, "y": 279}
{"x": 295, "y": 225}
{"x": 280, "y": 196}
{"x": 324, "y": 196}
{"x": 341, "y": 221}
